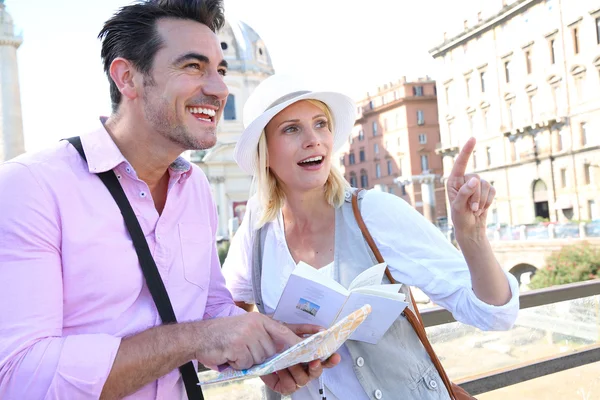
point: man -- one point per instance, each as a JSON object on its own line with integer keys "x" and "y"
{"x": 76, "y": 318}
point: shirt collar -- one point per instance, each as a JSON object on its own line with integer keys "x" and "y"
{"x": 103, "y": 154}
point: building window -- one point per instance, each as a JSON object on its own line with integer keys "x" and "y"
{"x": 417, "y": 90}
{"x": 376, "y": 148}
{"x": 474, "y": 155}
{"x": 552, "y": 46}
{"x": 385, "y": 128}
{"x": 351, "y": 159}
{"x": 471, "y": 122}
{"x": 342, "y": 161}
{"x": 361, "y": 155}
{"x": 389, "y": 167}
{"x": 353, "y": 182}
{"x": 556, "y": 96}
{"x": 575, "y": 36}
{"x": 528, "y": 62}
{"x": 488, "y": 150}
{"x": 400, "y": 166}
{"x": 482, "y": 78}
{"x": 533, "y": 108}
{"x": 361, "y": 135}
{"x": 579, "y": 88}
{"x": 377, "y": 171}
{"x": 420, "y": 117}
{"x": 593, "y": 214}
{"x": 424, "y": 163}
{"x": 374, "y": 128}
{"x": 468, "y": 86}
{"x": 229, "y": 113}
{"x": 563, "y": 178}
{"x": 485, "y": 118}
{"x": 422, "y": 138}
{"x": 583, "y": 133}
{"x": 562, "y": 145}
{"x": 587, "y": 173}
{"x": 598, "y": 30}
{"x": 510, "y": 106}
{"x": 448, "y": 90}
{"x": 364, "y": 179}
{"x": 507, "y": 71}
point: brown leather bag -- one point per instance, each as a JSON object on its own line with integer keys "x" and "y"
{"x": 455, "y": 391}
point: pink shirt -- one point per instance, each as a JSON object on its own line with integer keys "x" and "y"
{"x": 70, "y": 282}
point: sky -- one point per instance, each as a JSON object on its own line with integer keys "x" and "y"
{"x": 346, "y": 45}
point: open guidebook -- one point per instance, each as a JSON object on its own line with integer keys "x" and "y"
{"x": 311, "y": 297}
{"x": 318, "y": 346}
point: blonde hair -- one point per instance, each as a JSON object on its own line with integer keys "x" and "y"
{"x": 270, "y": 193}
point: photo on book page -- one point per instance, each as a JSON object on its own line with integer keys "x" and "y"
{"x": 319, "y": 346}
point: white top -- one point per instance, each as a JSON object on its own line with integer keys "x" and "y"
{"x": 417, "y": 254}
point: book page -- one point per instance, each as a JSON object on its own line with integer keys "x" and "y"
{"x": 369, "y": 277}
{"x": 311, "y": 273}
{"x": 318, "y": 346}
{"x": 308, "y": 302}
{"x": 310, "y": 297}
{"x": 384, "y": 311}
{"x": 389, "y": 291}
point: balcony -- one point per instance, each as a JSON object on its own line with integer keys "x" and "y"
{"x": 552, "y": 352}
{"x": 446, "y": 149}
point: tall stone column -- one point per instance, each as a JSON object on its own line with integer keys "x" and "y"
{"x": 11, "y": 125}
{"x": 428, "y": 196}
{"x": 218, "y": 183}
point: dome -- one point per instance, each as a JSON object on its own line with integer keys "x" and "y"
{"x": 244, "y": 50}
{"x": 7, "y": 29}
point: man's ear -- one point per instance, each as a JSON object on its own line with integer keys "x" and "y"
{"x": 123, "y": 73}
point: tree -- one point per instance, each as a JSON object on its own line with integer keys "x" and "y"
{"x": 574, "y": 263}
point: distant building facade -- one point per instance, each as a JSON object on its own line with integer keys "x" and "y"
{"x": 392, "y": 147}
{"x": 523, "y": 77}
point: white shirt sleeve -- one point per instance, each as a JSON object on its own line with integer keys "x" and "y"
{"x": 237, "y": 268}
{"x": 418, "y": 254}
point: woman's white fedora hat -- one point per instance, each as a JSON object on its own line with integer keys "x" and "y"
{"x": 273, "y": 95}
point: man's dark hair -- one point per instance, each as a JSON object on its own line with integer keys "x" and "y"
{"x": 131, "y": 33}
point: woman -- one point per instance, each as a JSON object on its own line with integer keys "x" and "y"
{"x": 302, "y": 211}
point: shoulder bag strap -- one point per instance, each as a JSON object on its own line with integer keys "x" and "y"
{"x": 149, "y": 269}
{"x": 415, "y": 320}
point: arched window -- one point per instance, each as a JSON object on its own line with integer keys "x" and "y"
{"x": 230, "y": 108}
{"x": 364, "y": 180}
{"x": 353, "y": 181}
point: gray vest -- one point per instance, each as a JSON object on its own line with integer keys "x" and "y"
{"x": 398, "y": 367}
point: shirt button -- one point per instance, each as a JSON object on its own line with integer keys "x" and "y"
{"x": 433, "y": 384}
{"x": 378, "y": 394}
{"x": 118, "y": 176}
{"x": 142, "y": 194}
{"x": 360, "y": 361}
{"x": 128, "y": 170}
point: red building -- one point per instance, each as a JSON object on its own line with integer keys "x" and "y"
{"x": 393, "y": 146}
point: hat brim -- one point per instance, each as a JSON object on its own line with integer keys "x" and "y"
{"x": 343, "y": 112}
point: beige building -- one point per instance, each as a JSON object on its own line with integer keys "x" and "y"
{"x": 523, "y": 78}
{"x": 11, "y": 123}
{"x": 249, "y": 64}
{"x": 392, "y": 147}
